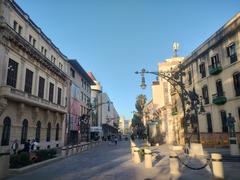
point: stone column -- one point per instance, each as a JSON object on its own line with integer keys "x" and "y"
{"x": 21, "y": 75}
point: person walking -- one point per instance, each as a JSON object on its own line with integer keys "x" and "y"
{"x": 15, "y": 147}
{"x": 116, "y": 140}
{"x": 26, "y": 146}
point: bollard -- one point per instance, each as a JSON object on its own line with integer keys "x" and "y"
{"x": 217, "y": 166}
{"x": 64, "y": 151}
{"x": 132, "y": 147}
{"x": 174, "y": 164}
{"x": 148, "y": 158}
{"x": 70, "y": 150}
{"x": 136, "y": 155}
{"x": 75, "y": 149}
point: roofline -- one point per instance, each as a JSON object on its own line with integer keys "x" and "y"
{"x": 80, "y": 70}
{"x": 214, "y": 35}
{"x": 38, "y": 30}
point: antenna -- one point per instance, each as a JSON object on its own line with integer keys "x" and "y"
{"x": 176, "y": 47}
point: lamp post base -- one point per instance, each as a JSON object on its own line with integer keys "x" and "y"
{"x": 234, "y": 148}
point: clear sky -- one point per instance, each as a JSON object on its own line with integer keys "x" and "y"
{"x": 114, "y": 38}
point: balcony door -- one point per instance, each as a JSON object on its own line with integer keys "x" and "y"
{"x": 219, "y": 88}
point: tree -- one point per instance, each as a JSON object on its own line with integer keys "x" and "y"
{"x": 137, "y": 124}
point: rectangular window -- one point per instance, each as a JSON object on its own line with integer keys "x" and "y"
{"x": 239, "y": 113}
{"x": 30, "y": 39}
{"x": 202, "y": 70}
{"x": 12, "y": 73}
{"x": 15, "y": 25}
{"x": 59, "y": 96}
{"x": 28, "y": 81}
{"x": 60, "y": 66}
{"x": 215, "y": 61}
{"x": 34, "y": 42}
{"x": 42, "y": 49}
{"x": 51, "y": 89}
{"x": 231, "y": 52}
{"x": 189, "y": 77}
{"x": 209, "y": 122}
{"x": 205, "y": 94}
{"x": 236, "y": 82}
{"x": 41, "y": 87}
{"x": 219, "y": 88}
{"x": 72, "y": 72}
{"x": 45, "y": 52}
{"x": 19, "y": 29}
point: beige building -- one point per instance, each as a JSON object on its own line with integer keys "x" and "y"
{"x": 33, "y": 82}
{"x": 161, "y": 99}
{"x": 213, "y": 70}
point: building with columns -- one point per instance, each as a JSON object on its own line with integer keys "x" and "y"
{"x": 33, "y": 82}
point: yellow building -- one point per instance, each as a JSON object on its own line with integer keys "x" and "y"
{"x": 213, "y": 71}
{"x": 33, "y": 82}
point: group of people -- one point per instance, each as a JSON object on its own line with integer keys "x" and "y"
{"x": 28, "y": 146}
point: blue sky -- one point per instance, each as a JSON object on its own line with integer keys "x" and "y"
{"x": 114, "y": 38}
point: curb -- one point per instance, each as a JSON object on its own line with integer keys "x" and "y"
{"x": 33, "y": 166}
{"x": 37, "y": 165}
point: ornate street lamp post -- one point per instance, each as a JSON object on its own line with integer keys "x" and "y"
{"x": 85, "y": 118}
{"x": 191, "y": 102}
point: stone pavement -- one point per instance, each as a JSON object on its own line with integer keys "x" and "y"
{"x": 113, "y": 162}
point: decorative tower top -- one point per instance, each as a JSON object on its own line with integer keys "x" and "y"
{"x": 176, "y": 47}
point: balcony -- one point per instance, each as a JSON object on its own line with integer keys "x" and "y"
{"x": 216, "y": 69}
{"x": 219, "y": 99}
{"x": 32, "y": 100}
{"x": 174, "y": 111}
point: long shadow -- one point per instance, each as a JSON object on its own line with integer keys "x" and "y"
{"x": 86, "y": 165}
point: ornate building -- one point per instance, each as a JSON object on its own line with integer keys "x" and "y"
{"x": 213, "y": 71}
{"x": 33, "y": 82}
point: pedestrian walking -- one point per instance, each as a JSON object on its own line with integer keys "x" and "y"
{"x": 26, "y": 146}
{"x": 15, "y": 147}
{"x": 116, "y": 140}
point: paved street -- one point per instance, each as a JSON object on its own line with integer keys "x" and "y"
{"x": 110, "y": 162}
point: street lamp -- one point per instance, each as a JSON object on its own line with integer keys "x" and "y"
{"x": 175, "y": 78}
{"x": 85, "y": 118}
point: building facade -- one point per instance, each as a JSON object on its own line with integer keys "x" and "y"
{"x": 162, "y": 101}
{"x": 33, "y": 82}
{"x": 79, "y": 95}
{"x": 213, "y": 71}
{"x": 96, "y": 126}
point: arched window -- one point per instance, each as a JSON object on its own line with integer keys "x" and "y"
{"x": 24, "y": 131}
{"x": 57, "y": 132}
{"x": 48, "y": 131}
{"x": 6, "y": 131}
{"x": 38, "y": 131}
{"x": 236, "y": 82}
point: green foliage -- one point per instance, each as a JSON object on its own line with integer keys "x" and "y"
{"x": 140, "y": 103}
{"x": 20, "y": 160}
{"x": 45, "y": 154}
{"x": 24, "y": 158}
{"x": 137, "y": 124}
